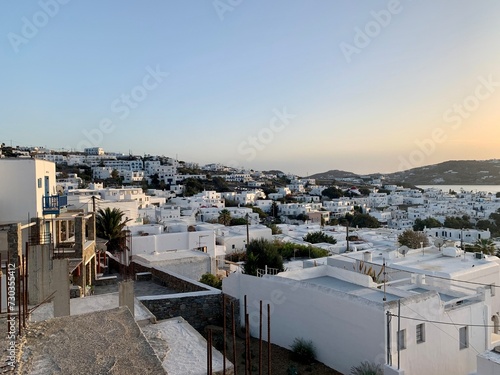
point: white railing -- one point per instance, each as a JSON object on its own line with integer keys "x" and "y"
{"x": 267, "y": 271}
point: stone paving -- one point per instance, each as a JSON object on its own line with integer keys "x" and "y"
{"x": 141, "y": 288}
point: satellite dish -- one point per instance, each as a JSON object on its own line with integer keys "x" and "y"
{"x": 404, "y": 250}
{"x": 438, "y": 242}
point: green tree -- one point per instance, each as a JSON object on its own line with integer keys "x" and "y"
{"x": 192, "y": 186}
{"x": 274, "y": 209}
{"x": 224, "y": 217}
{"x": 364, "y": 221}
{"x": 364, "y": 191}
{"x": 211, "y": 280}
{"x": 457, "y": 222}
{"x": 302, "y": 217}
{"x": 413, "y": 239}
{"x": 237, "y": 221}
{"x": 430, "y": 222}
{"x": 317, "y": 237}
{"x": 274, "y": 229}
{"x": 109, "y": 225}
{"x": 262, "y": 214}
{"x": 486, "y": 246}
{"x": 262, "y": 253}
{"x": 220, "y": 184}
{"x": 332, "y": 192}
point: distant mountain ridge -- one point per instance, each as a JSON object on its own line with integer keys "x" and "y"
{"x": 453, "y": 172}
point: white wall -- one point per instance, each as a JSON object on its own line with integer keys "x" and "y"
{"x": 20, "y": 195}
{"x": 174, "y": 241}
{"x": 347, "y": 329}
{"x": 344, "y": 329}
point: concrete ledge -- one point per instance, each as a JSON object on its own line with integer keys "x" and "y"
{"x": 105, "y": 280}
{"x": 143, "y": 276}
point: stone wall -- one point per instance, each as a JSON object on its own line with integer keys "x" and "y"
{"x": 176, "y": 282}
{"x": 198, "y": 309}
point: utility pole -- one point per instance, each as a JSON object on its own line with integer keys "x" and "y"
{"x": 248, "y": 233}
{"x": 93, "y": 203}
{"x": 347, "y": 237}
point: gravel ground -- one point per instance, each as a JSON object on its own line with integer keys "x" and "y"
{"x": 281, "y": 360}
{"x": 105, "y": 342}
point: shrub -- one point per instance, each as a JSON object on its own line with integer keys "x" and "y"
{"x": 303, "y": 350}
{"x": 211, "y": 280}
{"x": 367, "y": 368}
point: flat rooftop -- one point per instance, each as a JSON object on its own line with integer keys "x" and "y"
{"x": 169, "y": 255}
{"x": 371, "y": 294}
{"x": 181, "y": 349}
{"x": 102, "y": 342}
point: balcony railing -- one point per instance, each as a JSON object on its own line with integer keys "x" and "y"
{"x": 54, "y": 204}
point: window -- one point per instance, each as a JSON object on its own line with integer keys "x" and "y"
{"x": 464, "y": 337}
{"x": 420, "y": 333}
{"x": 39, "y": 183}
{"x": 402, "y": 339}
{"x": 492, "y": 289}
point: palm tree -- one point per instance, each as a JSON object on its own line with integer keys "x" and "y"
{"x": 109, "y": 225}
{"x": 225, "y": 217}
{"x": 486, "y": 246}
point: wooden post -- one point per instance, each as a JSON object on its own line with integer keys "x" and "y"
{"x": 23, "y": 293}
{"x": 268, "y": 339}
{"x": 246, "y": 336}
{"x": 210, "y": 348}
{"x": 249, "y": 345}
{"x": 234, "y": 338}
{"x": 208, "y": 353}
{"x": 260, "y": 339}
{"x": 224, "y": 334}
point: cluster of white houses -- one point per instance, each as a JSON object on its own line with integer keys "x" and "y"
{"x": 434, "y": 310}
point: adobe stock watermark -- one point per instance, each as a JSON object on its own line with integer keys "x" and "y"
{"x": 11, "y": 316}
{"x": 265, "y": 136}
{"x": 31, "y": 26}
{"x": 364, "y": 36}
{"x": 122, "y": 107}
{"x": 223, "y": 6}
{"x": 455, "y": 115}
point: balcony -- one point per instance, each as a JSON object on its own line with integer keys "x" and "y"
{"x": 54, "y": 204}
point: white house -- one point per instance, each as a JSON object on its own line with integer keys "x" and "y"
{"x": 411, "y": 325}
{"x": 28, "y": 189}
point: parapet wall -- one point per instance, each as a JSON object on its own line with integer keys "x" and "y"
{"x": 199, "y": 304}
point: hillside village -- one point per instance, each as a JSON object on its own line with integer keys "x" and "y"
{"x": 346, "y": 279}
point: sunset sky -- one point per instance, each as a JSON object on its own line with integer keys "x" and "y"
{"x": 301, "y": 86}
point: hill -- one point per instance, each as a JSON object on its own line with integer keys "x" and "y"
{"x": 333, "y": 175}
{"x": 453, "y": 172}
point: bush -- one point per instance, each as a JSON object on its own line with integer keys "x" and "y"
{"x": 303, "y": 350}
{"x": 316, "y": 237}
{"x": 262, "y": 253}
{"x": 211, "y": 280}
{"x": 413, "y": 239}
{"x": 367, "y": 368}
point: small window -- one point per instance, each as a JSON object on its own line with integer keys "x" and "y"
{"x": 39, "y": 183}
{"x": 420, "y": 333}
{"x": 464, "y": 337}
{"x": 492, "y": 289}
{"x": 402, "y": 339}
{"x": 234, "y": 246}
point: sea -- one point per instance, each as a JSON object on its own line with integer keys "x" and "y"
{"x": 475, "y": 188}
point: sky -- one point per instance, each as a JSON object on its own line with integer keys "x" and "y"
{"x": 297, "y": 85}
